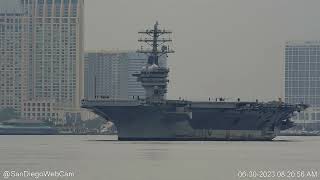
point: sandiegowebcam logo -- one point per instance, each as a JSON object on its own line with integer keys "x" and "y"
{"x": 37, "y": 174}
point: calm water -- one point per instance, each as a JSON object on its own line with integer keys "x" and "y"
{"x": 98, "y": 157}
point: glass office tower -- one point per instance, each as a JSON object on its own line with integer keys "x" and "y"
{"x": 302, "y": 79}
{"x": 109, "y": 74}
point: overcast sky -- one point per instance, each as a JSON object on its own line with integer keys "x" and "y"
{"x": 230, "y": 48}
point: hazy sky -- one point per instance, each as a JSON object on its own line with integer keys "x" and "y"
{"x": 230, "y": 48}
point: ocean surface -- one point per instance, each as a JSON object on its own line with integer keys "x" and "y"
{"x": 101, "y": 157}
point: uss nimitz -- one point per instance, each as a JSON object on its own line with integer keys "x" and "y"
{"x": 155, "y": 118}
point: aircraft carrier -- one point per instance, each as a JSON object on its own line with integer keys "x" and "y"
{"x": 155, "y": 118}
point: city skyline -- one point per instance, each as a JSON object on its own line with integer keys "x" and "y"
{"x": 239, "y": 66}
{"x": 239, "y": 49}
{"x": 149, "y": 89}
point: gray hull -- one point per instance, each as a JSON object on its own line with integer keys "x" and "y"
{"x": 194, "y": 121}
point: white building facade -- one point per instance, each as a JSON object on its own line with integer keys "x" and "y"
{"x": 56, "y": 43}
{"x": 42, "y": 47}
{"x": 302, "y": 80}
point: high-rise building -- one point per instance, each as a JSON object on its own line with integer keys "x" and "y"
{"x": 56, "y": 54}
{"x": 13, "y": 54}
{"x": 302, "y": 79}
{"x": 108, "y": 74}
{"x": 136, "y": 61}
{"x": 57, "y": 50}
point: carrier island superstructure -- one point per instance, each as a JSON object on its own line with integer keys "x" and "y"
{"x": 155, "y": 118}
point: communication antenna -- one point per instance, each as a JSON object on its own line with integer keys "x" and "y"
{"x": 156, "y": 39}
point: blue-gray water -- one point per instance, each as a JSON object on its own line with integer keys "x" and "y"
{"x": 96, "y": 157}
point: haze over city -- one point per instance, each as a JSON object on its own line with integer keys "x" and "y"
{"x": 77, "y": 101}
{"x": 224, "y": 48}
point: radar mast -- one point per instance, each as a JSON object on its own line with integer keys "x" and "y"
{"x": 155, "y": 38}
{"x": 154, "y": 78}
